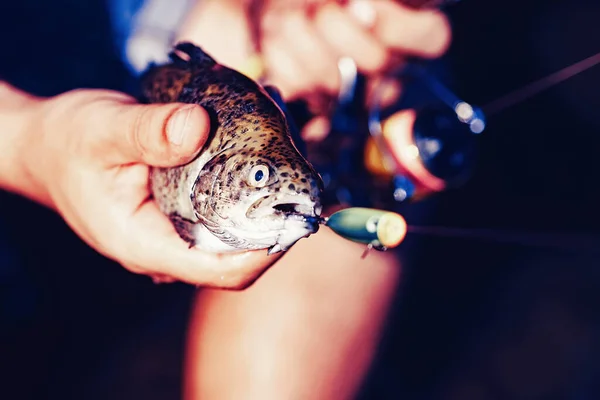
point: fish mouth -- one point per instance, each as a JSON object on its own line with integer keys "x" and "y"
{"x": 293, "y": 212}
{"x": 292, "y": 207}
{"x": 286, "y": 218}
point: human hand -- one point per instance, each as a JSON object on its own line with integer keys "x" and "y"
{"x": 302, "y": 47}
{"x": 302, "y": 41}
{"x": 87, "y": 153}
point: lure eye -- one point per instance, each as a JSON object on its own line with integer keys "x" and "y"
{"x": 259, "y": 175}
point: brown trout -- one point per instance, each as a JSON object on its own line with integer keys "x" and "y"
{"x": 249, "y": 188}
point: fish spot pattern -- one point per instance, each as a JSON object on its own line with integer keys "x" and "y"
{"x": 247, "y": 129}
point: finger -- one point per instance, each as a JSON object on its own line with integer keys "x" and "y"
{"x": 158, "y": 135}
{"x": 310, "y": 51}
{"x": 363, "y": 12}
{"x": 155, "y": 248}
{"x": 423, "y": 33}
{"x": 349, "y": 38}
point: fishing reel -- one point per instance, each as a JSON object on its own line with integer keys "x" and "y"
{"x": 426, "y": 146}
{"x": 383, "y": 152}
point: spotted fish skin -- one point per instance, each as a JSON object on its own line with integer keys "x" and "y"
{"x": 216, "y": 201}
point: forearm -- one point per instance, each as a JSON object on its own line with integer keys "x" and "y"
{"x": 17, "y": 110}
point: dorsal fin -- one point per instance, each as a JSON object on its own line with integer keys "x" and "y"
{"x": 164, "y": 83}
{"x": 197, "y": 56}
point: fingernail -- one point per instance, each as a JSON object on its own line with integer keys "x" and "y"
{"x": 364, "y": 12}
{"x": 179, "y": 125}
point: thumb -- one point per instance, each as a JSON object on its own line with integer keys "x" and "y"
{"x": 161, "y": 135}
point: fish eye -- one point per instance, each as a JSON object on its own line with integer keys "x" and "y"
{"x": 259, "y": 175}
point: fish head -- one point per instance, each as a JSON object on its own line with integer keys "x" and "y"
{"x": 256, "y": 199}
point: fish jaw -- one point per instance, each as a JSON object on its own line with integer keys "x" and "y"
{"x": 296, "y": 227}
{"x": 276, "y": 233}
{"x": 273, "y": 221}
{"x": 286, "y": 218}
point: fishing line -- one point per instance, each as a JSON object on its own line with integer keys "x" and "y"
{"x": 524, "y": 93}
{"x": 575, "y": 242}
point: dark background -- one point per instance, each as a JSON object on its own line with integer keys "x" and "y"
{"x": 473, "y": 320}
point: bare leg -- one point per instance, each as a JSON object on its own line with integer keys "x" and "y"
{"x": 308, "y": 329}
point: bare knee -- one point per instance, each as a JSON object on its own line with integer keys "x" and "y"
{"x": 307, "y": 329}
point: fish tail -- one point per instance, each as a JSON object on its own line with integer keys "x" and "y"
{"x": 197, "y": 56}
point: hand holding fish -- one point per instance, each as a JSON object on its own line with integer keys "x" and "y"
{"x": 86, "y": 153}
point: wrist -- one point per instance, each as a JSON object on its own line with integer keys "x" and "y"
{"x": 18, "y": 111}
